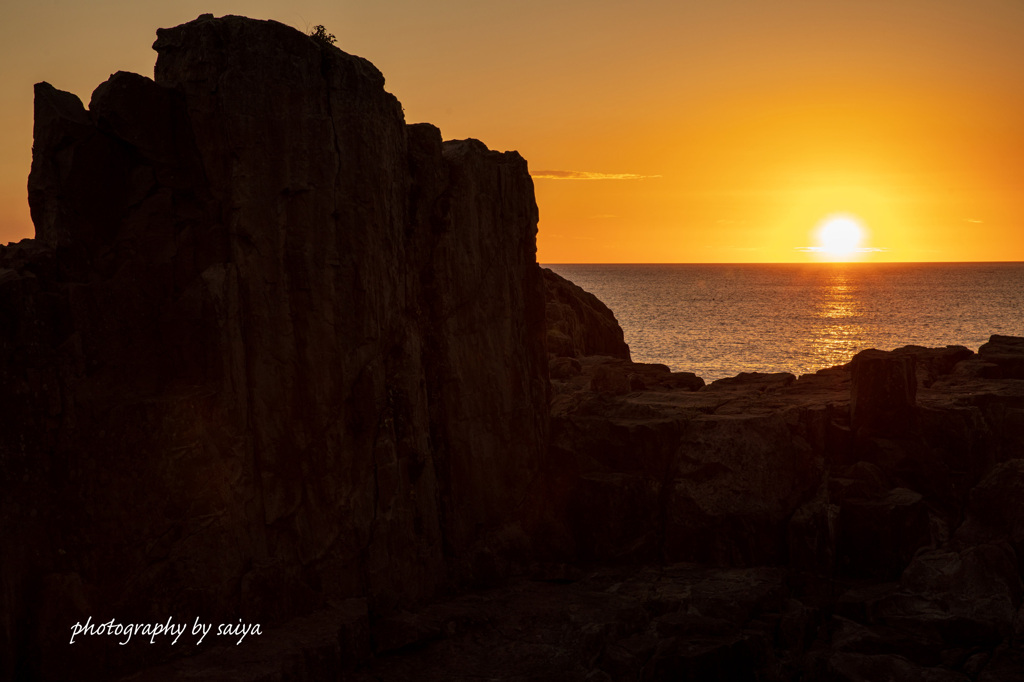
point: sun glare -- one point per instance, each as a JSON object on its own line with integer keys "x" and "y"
{"x": 839, "y": 236}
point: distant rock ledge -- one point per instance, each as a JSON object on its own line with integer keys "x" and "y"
{"x": 579, "y": 323}
{"x": 275, "y": 356}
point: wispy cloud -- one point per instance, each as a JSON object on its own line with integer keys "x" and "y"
{"x": 973, "y": 220}
{"x": 586, "y": 175}
{"x": 559, "y": 235}
{"x": 822, "y": 249}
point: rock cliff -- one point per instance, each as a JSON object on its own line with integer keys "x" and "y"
{"x": 271, "y": 348}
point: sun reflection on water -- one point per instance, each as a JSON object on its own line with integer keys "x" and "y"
{"x": 838, "y": 333}
{"x": 721, "y": 319}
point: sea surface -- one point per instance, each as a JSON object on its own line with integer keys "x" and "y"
{"x": 719, "y": 320}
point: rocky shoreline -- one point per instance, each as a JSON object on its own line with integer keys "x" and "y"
{"x": 277, "y": 357}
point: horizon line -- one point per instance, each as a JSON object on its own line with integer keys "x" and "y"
{"x": 907, "y": 262}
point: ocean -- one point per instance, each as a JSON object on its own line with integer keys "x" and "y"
{"x": 718, "y": 320}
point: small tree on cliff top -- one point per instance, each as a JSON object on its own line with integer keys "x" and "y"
{"x": 320, "y": 34}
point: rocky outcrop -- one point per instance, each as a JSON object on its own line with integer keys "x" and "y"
{"x": 1003, "y": 357}
{"x": 885, "y": 488}
{"x": 271, "y": 348}
{"x": 579, "y": 324}
{"x": 754, "y": 469}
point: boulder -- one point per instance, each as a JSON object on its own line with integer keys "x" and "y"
{"x": 611, "y": 379}
{"x": 733, "y": 485}
{"x": 1003, "y": 357}
{"x": 933, "y": 364}
{"x": 969, "y": 597}
{"x": 579, "y": 323}
{"x": 994, "y": 512}
{"x": 877, "y": 536}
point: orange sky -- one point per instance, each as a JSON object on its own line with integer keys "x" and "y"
{"x": 656, "y": 131}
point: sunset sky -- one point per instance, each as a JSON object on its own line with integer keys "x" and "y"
{"x": 724, "y": 131}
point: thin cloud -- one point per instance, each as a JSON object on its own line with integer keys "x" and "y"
{"x": 586, "y": 175}
{"x": 822, "y": 249}
{"x": 558, "y": 235}
{"x": 973, "y": 220}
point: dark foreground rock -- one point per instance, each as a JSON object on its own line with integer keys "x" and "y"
{"x": 271, "y": 347}
{"x": 745, "y": 531}
{"x": 889, "y": 504}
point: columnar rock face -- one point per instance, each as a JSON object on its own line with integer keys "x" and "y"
{"x": 270, "y": 347}
{"x": 883, "y": 394}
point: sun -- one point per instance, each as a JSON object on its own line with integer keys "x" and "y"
{"x": 839, "y": 236}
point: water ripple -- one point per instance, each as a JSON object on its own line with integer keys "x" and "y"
{"x": 718, "y": 320}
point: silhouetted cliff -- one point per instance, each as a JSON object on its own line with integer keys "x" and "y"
{"x": 271, "y": 347}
